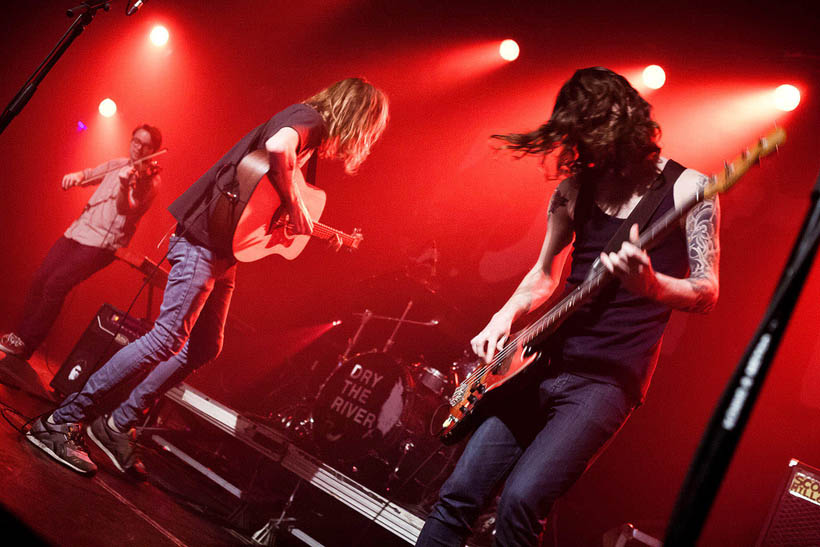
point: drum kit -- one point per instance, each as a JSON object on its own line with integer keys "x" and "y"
{"x": 377, "y": 413}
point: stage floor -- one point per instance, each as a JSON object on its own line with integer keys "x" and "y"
{"x": 67, "y": 509}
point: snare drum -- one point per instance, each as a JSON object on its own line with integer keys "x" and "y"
{"x": 431, "y": 378}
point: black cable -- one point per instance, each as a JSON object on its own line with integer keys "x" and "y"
{"x": 8, "y": 408}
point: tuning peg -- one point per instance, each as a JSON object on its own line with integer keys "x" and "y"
{"x": 745, "y": 154}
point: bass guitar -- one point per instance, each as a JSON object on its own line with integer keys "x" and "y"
{"x": 492, "y": 380}
{"x": 249, "y": 218}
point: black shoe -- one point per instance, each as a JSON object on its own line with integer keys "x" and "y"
{"x": 119, "y": 447}
{"x": 61, "y": 442}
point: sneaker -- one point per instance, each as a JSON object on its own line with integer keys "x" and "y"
{"x": 12, "y": 344}
{"x": 61, "y": 442}
{"x": 119, "y": 447}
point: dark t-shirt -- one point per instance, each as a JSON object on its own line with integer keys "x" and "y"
{"x": 192, "y": 207}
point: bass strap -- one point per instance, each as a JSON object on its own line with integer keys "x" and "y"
{"x": 642, "y": 212}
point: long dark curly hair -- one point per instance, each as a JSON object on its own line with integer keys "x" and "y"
{"x": 599, "y": 123}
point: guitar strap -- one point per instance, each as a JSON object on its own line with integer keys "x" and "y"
{"x": 641, "y": 214}
{"x": 310, "y": 176}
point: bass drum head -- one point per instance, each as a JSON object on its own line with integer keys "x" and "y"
{"x": 360, "y": 406}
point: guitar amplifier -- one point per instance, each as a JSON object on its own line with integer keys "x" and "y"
{"x": 794, "y": 520}
{"x": 108, "y": 332}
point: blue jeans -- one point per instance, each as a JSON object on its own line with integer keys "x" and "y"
{"x": 66, "y": 265}
{"x": 541, "y": 442}
{"x": 187, "y": 334}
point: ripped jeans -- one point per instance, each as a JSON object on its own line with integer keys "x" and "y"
{"x": 187, "y": 334}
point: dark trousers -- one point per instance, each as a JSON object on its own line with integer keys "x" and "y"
{"x": 67, "y": 264}
{"x": 541, "y": 442}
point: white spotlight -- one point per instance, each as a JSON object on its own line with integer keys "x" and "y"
{"x": 654, "y": 77}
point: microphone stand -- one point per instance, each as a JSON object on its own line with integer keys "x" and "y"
{"x": 86, "y": 11}
{"x": 729, "y": 419}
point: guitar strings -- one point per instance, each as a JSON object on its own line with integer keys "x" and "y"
{"x": 590, "y": 284}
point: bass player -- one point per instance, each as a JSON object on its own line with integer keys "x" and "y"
{"x": 602, "y": 358}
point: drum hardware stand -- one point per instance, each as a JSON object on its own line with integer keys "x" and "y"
{"x": 406, "y": 447}
{"x": 268, "y": 533}
{"x": 392, "y": 339}
{"x": 389, "y": 497}
{"x": 366, "y": 316}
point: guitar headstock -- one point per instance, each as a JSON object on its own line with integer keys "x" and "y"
{"x": 737, "y": 168}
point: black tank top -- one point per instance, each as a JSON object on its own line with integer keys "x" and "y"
{"x": 615, "y": 338}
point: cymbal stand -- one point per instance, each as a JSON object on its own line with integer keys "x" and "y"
{"x": 402, "y": 319}
{"x": 366, "y": 316}
{"x": 268, "y": 533}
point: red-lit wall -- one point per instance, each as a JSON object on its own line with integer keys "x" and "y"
{"x": 434, "y": 176}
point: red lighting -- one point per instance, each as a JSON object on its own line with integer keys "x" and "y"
{"x": 108, "y": 108}
{"x": 654, "y": 77}
{"x": 159, "y": 36}
{"x": 509, "y": 50}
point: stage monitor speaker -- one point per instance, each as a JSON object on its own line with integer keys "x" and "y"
{"x": 794, "y": 520}
{"x": 108, "y": 332}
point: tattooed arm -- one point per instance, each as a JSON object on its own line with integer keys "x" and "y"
{"x": 703, "y": 244}
{"x": 540, "y": 282}
{"x": 699, "y": 291}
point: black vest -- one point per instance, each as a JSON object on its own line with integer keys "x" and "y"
{"x": 615, "y": 338}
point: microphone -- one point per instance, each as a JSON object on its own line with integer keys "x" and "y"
{"x": 136, "y": 7}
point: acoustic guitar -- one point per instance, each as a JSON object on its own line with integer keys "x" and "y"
{"x": 248, "y": 217}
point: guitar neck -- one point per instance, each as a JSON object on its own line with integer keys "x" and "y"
{"x": 600, "y": 277}
{"x": 323, "y": 231}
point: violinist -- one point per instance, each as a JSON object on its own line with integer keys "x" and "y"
{"x": 126, "y": 187}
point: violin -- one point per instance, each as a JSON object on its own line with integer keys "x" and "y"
{"x": 143, "y": 169}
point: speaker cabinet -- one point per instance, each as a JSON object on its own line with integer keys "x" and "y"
{"x": 108, "y": 332}
{"x": 794, "y": 520}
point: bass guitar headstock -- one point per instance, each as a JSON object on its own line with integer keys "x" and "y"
{"x": 737, "y": 168}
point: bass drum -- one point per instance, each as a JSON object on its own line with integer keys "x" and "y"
{"x": 371, "y": 421}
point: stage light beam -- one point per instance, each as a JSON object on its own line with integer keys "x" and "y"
{"x": 509, "y": 50}
{"x": 786, "y": 97}
{"x": 654, "y": 77}
{"x": 108, "y": 108}
{"x": 159, "y": 36}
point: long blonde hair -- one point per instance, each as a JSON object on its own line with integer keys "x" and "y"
{"x": 356, "y": 114}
